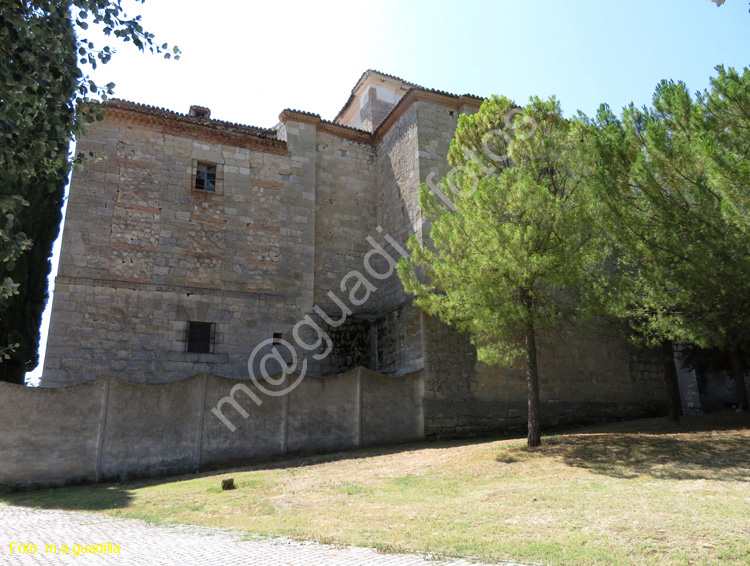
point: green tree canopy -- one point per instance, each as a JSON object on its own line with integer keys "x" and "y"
{"x": 670, "y": 179}
{"x": 43, "y": 96}
{"x": 518, "y": 247}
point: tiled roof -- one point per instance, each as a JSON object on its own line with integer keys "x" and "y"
{"x": 211, "y": 123}
{"x": 390, "y": 77}
{"x": 271, "y": 133}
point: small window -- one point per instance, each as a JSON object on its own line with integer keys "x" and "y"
{"x": 205, "y": 177}
{"x": 200, "y": 337}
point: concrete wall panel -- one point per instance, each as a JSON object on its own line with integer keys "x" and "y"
{"x": 151, "y": 430}
{"x": 324, "y": 414}
{"x": 391, "y": 408}
{"x": 259, "y": 435}
{"x": 49, "y": 436}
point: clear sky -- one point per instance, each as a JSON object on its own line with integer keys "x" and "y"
{"x": 247, "y": 60}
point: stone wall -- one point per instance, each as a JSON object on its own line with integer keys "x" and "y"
{"x": 345, "y": 213}
{"x": 144, "y": 252}
{"x": 398, "y": 211}
{"x": 589, "y": 373}
{"x": 110, "y": 429}
{"x": 399, "y": 341}
{"x": 296, "y": 211}
{"x": 374, "y": 110}
{"x": 705, "y": 391}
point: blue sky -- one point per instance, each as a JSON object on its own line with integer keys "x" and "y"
{"x": 249, "y": 60}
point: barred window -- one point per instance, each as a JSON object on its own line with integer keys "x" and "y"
{"x": 200, "y": 337}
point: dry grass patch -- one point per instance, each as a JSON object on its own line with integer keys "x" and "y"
{"x": 645, "y": 492}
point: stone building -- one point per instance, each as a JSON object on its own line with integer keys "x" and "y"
{"x": 188, "y": 241}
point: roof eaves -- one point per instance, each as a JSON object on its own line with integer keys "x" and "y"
{"x": 172, "y": 115}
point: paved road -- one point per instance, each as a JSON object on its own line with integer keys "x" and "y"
{"x": 142, "y": 544}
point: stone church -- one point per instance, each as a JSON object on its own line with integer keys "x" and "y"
{"x": 188, "y": 241}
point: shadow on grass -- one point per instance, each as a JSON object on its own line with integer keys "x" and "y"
{"x": 102, "y": 497}
{"x": 717, "y": 457}
{"x": 715, "y": 447}
{"x": 80, "y": 498}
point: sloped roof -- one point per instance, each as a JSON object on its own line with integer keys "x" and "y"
{"x": 231, "y": 127}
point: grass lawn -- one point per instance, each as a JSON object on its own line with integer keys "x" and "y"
{"x": 643, "y": 492}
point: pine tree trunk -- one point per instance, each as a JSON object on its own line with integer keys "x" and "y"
{"x": 532, "y": 380}
{"x": 738, "y": 372}
{"x": 674, "y": 402}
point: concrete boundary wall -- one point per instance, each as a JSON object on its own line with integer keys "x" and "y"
{"x": 111, "y": 429}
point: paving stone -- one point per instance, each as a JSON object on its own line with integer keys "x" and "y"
{"x": 142, "y": 543}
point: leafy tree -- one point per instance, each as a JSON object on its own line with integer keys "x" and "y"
{"x": 41, "y": 87}
{"x": 726, "y": 148}
{"x": 516, "y": 248}
{"x": 682, "y": 262}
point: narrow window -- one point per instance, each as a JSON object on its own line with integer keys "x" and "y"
{"x": 200, "y": 337}
{"x": 205, "y": 177}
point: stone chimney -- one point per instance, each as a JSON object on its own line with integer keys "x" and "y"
{"x": 200, "y": 112}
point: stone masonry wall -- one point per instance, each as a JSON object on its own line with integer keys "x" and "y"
{"x": 398, "y": 211}
{"x": 589, "y": 373}
{"x": 345, "y": 214}
{"x": 399, "y": 341}
{"x": 374, "y": 111}
{"x": 144, "y": 252}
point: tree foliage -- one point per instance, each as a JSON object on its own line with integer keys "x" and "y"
{"x": 673, "y": 183}
{"x": 517, "y": 247}
{"x": 42, "y": 85}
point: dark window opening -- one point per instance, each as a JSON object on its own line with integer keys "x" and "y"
{"x": 200, "y": 337}
{"x": 205, "y": 177}
{"x": 277, "y": 338}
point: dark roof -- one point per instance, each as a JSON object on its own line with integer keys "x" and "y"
{"x": 211, "y": 123}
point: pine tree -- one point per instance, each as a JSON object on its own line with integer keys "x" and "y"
{"x": 681, "y": 258}
{"x": 517, "y": 246}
